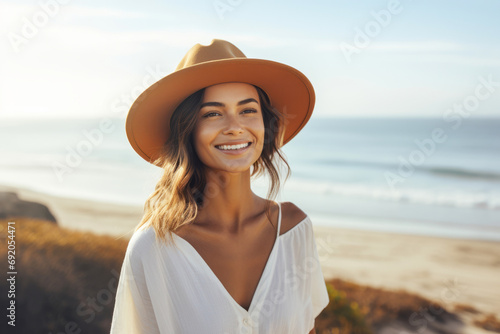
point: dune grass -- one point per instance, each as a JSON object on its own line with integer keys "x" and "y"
{"x": 375, "y": 308}
{"x": 65, "y": 279}
{"x": 489, "y": 322}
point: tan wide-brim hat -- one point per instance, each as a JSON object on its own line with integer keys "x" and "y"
{"x": 290, "y": 92}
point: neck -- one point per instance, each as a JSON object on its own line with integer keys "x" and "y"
{"x": 228, "y": 202}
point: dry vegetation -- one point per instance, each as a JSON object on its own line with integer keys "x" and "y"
{"x": 465, "y": 308}
{"x": 64, "y": 278}
{"x": 373, "y": 309}
{"x": 68, "y": 278}
{"x": 489, "y": 322}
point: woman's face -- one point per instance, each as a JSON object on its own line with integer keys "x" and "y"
{"x": 230, "y": 114}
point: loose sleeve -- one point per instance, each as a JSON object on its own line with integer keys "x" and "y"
{"x": 319, "y": 293}
{"x": 133, "y": 312}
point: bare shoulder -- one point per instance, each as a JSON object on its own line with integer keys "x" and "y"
{"x": 292, "y": 215}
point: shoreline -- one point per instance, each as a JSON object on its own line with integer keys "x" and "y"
{"x": 101, "y": 218}
{"x": 448, "y": 270}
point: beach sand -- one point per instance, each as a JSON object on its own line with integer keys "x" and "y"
{"x": 448, "y": 271}
{"x": 84, "y": 215}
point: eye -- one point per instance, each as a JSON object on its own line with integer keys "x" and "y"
{"x": 250, "y": 110}
{"x": 207, "y": 115}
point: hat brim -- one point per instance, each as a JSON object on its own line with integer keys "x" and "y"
{"x": 289, "y": 90}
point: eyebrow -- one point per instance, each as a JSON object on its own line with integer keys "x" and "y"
{"x": 219, "y": 104}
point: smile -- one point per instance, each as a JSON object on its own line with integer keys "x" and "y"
{"x": 233, "y": 149}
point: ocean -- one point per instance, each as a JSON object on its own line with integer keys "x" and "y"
{"x": 423, "y": 176}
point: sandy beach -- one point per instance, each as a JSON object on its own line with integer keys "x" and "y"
{"x": 449, "y": 271}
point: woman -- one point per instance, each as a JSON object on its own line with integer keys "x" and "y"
{"x": 209, "y": 255}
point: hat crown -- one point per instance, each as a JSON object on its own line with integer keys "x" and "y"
{"x": 218, "y": 49}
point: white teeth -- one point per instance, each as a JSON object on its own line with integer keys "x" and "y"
{"x": 232, "y": 147}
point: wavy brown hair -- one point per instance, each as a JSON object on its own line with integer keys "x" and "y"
{"x": 181, "y": 189}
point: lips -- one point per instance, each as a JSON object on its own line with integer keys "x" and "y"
{"x": 234, "y": 151}
{"x": 234, "y": 142}
{"x": 235, "y": 146}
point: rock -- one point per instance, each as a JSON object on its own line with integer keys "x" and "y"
{"x": 12, "y": 206}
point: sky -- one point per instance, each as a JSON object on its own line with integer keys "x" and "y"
{"x": 408, "y": 58}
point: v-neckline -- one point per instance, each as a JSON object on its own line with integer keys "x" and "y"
{"x": 219, "y": 283}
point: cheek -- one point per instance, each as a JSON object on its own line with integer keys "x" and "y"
{"x": 253, "y": 122}
{"x": 205, "y": 134}
{"x": 202, "y": 136}
{"x": 198, "y": 139}
{"x": 260, "y": 129}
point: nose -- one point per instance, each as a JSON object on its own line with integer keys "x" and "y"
{"x": 233, "y": 125}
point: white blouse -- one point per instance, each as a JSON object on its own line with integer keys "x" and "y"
{"x": 169, "y": 290}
